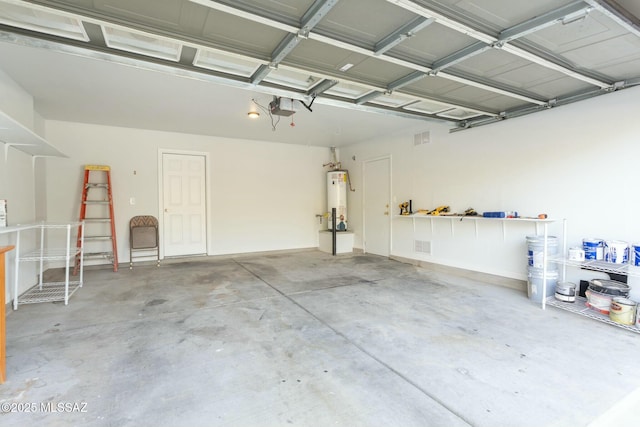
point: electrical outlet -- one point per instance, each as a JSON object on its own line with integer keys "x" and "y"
{"x": 132, "y": 200}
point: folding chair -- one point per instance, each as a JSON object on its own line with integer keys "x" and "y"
{"x": 143, "y": 237}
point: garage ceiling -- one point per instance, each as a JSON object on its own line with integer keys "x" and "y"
{"x": 464, "y": 62}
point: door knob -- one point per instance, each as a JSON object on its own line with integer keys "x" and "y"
{"x": 386, "y": 213}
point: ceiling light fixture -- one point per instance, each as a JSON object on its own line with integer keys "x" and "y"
{"x": 253, "y": 114}
{"x": 345, "y": 67}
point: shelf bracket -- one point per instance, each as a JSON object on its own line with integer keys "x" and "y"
{"x": 9, "y": 144}
{"x": 33, "y": 161}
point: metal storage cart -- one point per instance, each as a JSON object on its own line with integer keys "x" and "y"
{"x": 143, "y": 238}
{"x": 49, "y": 291}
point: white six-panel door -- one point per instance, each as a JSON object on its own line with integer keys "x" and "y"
{"x": 376, "y": 209}
{"x": 184, "y": 204}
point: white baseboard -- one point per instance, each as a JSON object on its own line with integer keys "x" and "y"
{"x": 507, "y": 282}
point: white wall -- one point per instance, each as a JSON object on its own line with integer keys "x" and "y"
{"x": 15, "y": 101}
{"x": 18, "y": 180}
{"x": 17, "y": 185}
{"x": 264, "y": 196}
{"x": 577, "y": 162}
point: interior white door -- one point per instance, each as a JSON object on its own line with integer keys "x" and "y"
{"x": 184, "y": 204}
{"x": 376, "y": 206}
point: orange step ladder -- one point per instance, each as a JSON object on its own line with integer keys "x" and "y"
{"x": 96, "y": 210}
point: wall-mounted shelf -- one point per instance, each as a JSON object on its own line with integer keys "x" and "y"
{"x": 477, "y": 219}
{"x": 14, "y": 134}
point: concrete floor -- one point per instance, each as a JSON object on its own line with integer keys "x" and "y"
{"x": 309, "y": 339}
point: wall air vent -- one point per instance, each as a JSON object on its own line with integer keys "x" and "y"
{"x": 422, "y": 246}
{"x": 422, "y": 138}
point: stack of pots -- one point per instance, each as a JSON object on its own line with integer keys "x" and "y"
{"x": 610, "y": 297}
{"x": 601, "y": 292}
{"x": 536, "y": 267}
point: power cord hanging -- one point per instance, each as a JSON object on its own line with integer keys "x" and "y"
{"x": 268, "y": 111}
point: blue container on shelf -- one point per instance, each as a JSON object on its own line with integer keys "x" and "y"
{"x": 635, "y": 251}
{"x": 494, "y": 214}
{"x": 593, "y": 249}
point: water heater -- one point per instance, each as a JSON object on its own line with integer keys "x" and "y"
{"x": 337, "y": 198}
